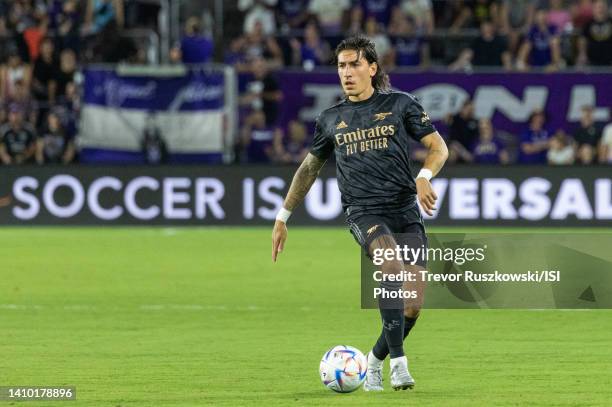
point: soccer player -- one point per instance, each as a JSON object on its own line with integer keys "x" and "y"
{"x": 369, "y": 134}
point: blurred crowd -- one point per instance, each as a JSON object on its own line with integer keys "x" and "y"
{"x": 44, "y": 42}
{"x": 473, "y": 140}
{"x": 512, "y": 35}
{"x": 42, "y": 45}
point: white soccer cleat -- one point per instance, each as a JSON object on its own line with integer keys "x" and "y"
{"x": 400, "y": 376}
{"x": 374, "y": 378}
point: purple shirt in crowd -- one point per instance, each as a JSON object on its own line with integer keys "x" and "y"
{"x": 196, "y": 49}
{"x": 531, "y": 136}
{"x": 541, "y": 54}
{"x": 487, "y": 152}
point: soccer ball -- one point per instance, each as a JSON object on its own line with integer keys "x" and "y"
{"x": 343, "y": 369}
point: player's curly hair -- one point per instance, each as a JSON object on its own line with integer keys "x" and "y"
{"x": 361, "y": 44}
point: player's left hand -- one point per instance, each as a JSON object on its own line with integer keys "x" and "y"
{"x": 426, "y": 195}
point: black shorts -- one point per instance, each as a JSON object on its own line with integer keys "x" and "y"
{"x": 407, "y": 228}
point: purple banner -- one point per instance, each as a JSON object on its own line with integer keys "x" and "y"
{"x": 507, "y": 98}
{"x": 196, "y": 90}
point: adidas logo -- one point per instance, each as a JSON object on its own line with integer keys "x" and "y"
{"x": 341, "y": 125}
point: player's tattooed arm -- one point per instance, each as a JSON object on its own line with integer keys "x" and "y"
{"x": 437, "y": 152}
{"x": 303, "y": 179}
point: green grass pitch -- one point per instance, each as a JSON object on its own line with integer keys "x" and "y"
{"x": 189, "y": 317}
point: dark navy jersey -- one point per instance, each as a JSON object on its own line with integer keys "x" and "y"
{"x": 370, "y": 139}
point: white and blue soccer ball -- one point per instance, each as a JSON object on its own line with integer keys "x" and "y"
{"x": 343, "y": 369}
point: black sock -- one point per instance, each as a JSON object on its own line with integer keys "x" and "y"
{"x": 393, "y": 331}
{"x": 381, "y": 349}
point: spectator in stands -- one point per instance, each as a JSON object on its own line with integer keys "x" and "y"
{"x": 595, "y": 43}
{"x": 66, "y": 72}
{"x": 4, "y": 11}
{"x": 55, "y": 144}
{"x": 292, "y": 14}
{"x": 17, "y": 139}
{"x": 255, "y": 44}
{"x": 33, "y": 35}
{"x": 314, "y": 51}
{"x": 587, "y": 135}
{"x": 585, "y": 155}
{"x": 605, "y": 146}
{"x": 516, "y": 17}
{"x": 397, "y": 21}
{"x": 489, "y": 49}
{"x": 100, "y": 13}
{"x": 258, "y": 11}
{"x": 471, "y": 14}
{"x": 44, "y": 84}
{"x": 68, "y": 108}
{"x": 487, "y": 149}
{"x": 463, "y": 133}
{"x": 541, "y": 47}
{"x": 380, "y": 10}
{"x": 21, "y": 16}
{"x": 582, "y": 13}
{"x": 257, "y": 138}
{"x": 355, "y": 23}
{"x": 535, "y": 140}
{"x": 195, "y": 47}
{"x": 409, "y": 48}
{"x": 421, "y": 13}
{"x": 24, "y": 101}
{"x": 558, "y": 16}
{"x": 293, "y": 148}
{"x": 263, "y": 92}
{"x": 65, "y": 23}
{"x": 154, "y": 147}
{"x": 561, "y": 150}
{"x": 329, "y": 14}
{"x": 14, "y": 71}
{"x": 382, "y": 44}
{"x": 484, "y": 10}
{"x": 236, "y": 55}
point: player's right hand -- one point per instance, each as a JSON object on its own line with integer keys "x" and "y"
{"x": 426, "y": 195}
{"x": 279, "y": 235}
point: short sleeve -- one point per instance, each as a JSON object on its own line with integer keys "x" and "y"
{"x": 322, "y": 146}
{"x": 417, "y": 121}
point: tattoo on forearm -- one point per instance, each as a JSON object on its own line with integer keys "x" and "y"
{"x": 303, "y": 179}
